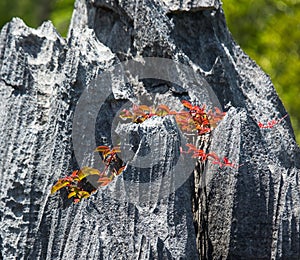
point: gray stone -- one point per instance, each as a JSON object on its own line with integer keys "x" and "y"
{"x": 246, "y": 212}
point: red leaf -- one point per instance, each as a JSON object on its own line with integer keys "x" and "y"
{"x": 186, "y": 104}
{"x": 74, "y": 173}
{"x": 271, "y": 123}
{"x": 228, "y": 163}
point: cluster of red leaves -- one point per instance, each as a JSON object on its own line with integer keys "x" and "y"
{"x": 271, "y": 123}
{"x": 196, "y": 118}
{"x": 139, "y": 114}
{"x": 76, "y": 183}
{"x": 202, "y": 156}
{"x": 203, "y": 121}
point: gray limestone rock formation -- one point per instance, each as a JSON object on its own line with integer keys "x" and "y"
{"x": 246, "y": 212}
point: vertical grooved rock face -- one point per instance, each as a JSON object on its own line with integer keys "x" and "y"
{"x": 250, "y": 211}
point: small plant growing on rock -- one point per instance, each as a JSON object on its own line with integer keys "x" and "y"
{"x": 194, "y": 119}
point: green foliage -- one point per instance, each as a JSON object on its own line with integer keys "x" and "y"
{"x": 34, "y": 12}
{"x": 269, "y": 32}
{"x": 61, "y": 15}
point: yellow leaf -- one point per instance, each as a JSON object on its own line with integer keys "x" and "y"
{"x": 87, "y": 171}
{"x": 59, "y": 185}
{"x": 71, "y": 194}
{"x": 84, "y": 194}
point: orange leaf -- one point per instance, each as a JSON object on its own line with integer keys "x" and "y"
{"x": 105, "y": 180}
{"x": 204, "y": 130}
{"x": 116, "y": 173}
{"x": 186, "y": 104}
{"x": 163, "y": 110}
{"x": 121, "y": 169}
{"x": 102, "y": 149}
{"x": 145, "y": 108}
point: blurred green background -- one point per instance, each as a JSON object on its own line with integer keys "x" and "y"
{"x": 268, "y": 31}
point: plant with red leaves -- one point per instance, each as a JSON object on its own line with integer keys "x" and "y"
{"x": 109, "y": 155}
{"x": 77, "y": 185}
{"x": 226, "y": 163}
{"x": 194, "y": 119}
{"x": 199, "y": 117}
{"x": 142, "y": 112}
{"x": 204, "y": 121}
{"x": 199, "y": 153}
{"x": 215, "y": 116}
{"x": 271, "y": 123}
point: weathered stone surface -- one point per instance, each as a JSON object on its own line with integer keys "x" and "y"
{"x": 239, "y": 213}
{"x": 191, "y": 5}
